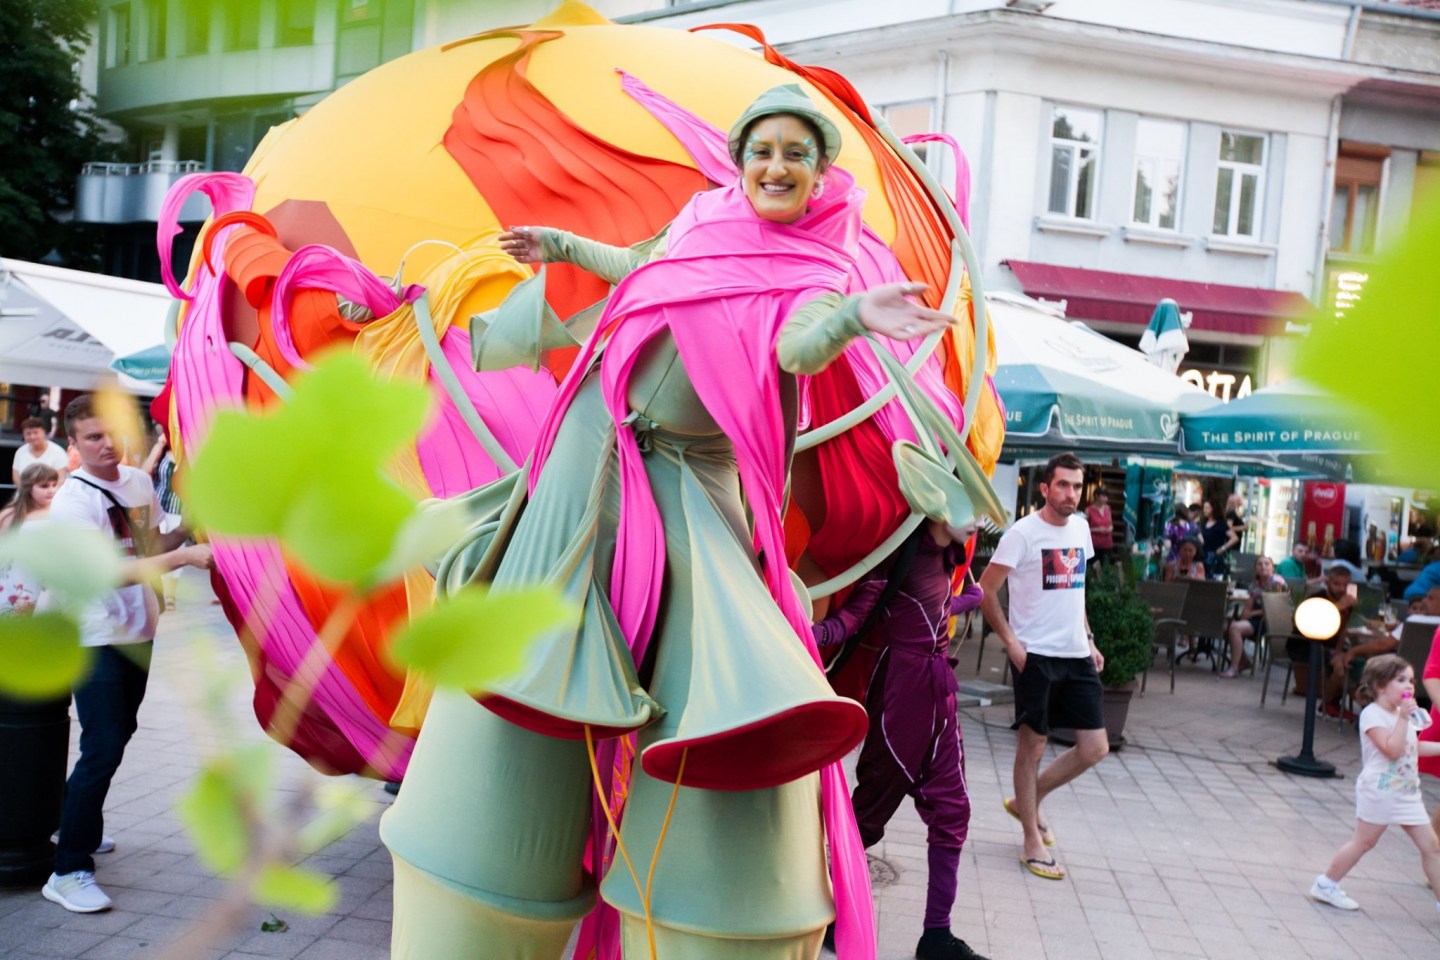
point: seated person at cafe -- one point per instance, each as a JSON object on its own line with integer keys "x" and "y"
{"x": 1248, "y": 625}
{"x": 1187, "y": 563}
{"x": 1347, "y": 665}
{"x": 1299, "y": 565}
{"x": 1336, "y": 589}
{"x": 1415, "y": 551}
{"x": 1428, "y": 577}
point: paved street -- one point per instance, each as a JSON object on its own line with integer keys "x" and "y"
{"x": 1187, "y": 843}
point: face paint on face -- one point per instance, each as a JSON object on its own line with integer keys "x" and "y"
{"x": 781, "y": 167}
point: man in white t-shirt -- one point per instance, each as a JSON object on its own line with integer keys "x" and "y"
{"x": 1045, "y": 557}
{"x": 119, "y": 628}
{"x": 38, "y": 449}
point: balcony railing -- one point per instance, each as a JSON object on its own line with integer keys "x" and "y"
{"x": 136, "y": 169}
{"x": 133, "y": 192}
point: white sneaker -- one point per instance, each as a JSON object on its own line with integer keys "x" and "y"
{"x": 107, "y": 843}
{"x": 1328, "y": 891}
{"x": 77, "y": 892}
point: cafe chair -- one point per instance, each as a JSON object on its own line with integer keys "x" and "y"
{"x": 1242, "y": 567}
{"x": 1279, "y": 628}
{"x": 1206, "y": 602}
{"x": 1167, "y": 603}
{"x": 1415, "y": 642}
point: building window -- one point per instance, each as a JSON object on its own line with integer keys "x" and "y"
{"x": 155, "y": 29}
{"x": 242, "y": 25}
{"x": 118, "y": 29}
{"x": 1159, "y": 159}
{"x": 1074, "y": 161}
{"x": 907, "y": 119}
{"x": 1355, "y": 206}
{"x": 296, "y": 27}
{"x": 1239, "y": 185}
{"x": 197, "y": 27}
{"x": 358, "y": 10}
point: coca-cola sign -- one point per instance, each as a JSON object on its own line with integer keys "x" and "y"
{"x": 1324, "y": 495}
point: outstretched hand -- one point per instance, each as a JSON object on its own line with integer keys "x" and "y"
{"x": 523, "y": 243}
{"x": 888, "y": 311}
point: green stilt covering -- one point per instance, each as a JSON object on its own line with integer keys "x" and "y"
{"x": 765, "y": 893}
{"x": 488, "y": 807}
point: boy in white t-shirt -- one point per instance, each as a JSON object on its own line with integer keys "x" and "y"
{"x": 119, "y": 628}
{"x": 1045, "y": 557}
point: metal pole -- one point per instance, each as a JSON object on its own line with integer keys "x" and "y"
{"x": 1304, "y": 764}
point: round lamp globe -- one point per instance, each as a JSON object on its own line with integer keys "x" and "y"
{"x": 1317, "y": 619}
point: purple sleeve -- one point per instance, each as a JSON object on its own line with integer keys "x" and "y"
{"x": 843, "y": 622}
{"x": 967, "y": 600}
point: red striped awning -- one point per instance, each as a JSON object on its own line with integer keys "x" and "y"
{"x": 1131, "y": 298}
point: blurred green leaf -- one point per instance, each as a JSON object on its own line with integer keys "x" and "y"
{"x": 295, "y": 888}
{"x": 40, "y": 655}
{"x": 426, "y": 536}
{"x": 311, "y": 472}
{"x": 341, "y": 806}
{"x": 76, "y": 564}
{"x": 1374, "y": 358}
{"x": 222, "y": 803}
{"x": 477, "y": 637}
{"x": 274, "y": 925}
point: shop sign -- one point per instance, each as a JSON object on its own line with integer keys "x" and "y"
{"x": 1220, "y": 384}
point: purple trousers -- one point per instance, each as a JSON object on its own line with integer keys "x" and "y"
{"x": 940, "y": 796}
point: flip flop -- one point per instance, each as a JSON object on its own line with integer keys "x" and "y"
{"x": 1046, "y": 837}
{"x": 1048, "y": 869}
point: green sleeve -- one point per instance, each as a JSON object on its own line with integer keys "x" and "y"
{"x": 818, "y": 332}
{"x": 610, "y": 264}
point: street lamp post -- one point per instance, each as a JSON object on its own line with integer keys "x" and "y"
{"x": 1317, "y": 619}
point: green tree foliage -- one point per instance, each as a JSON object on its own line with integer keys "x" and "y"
{"x": 47, "y": 130}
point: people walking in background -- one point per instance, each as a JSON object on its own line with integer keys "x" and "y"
{"x": 915, "y": 747}
{"x": 1178, "y": 529}
{"x": 37, "y": 448}
{"x": 1102, "y": 526}
{"x": 1218, "y": 538}
{"x": 119, "y": 629}
{"x": 1044, "y": 557}
{"x": 1387, "y": 791}
{"x": 1235, "y": 519}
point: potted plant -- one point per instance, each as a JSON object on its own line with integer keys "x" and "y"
{"x": 1124, "y": 633}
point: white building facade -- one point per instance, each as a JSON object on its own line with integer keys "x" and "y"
{"x": 1245, "y": 157}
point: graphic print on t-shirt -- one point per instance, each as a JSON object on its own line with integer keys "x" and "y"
{"x": 1062, "y": 569}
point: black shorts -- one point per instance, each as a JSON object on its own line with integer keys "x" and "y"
{"x": 1059, "y": 692}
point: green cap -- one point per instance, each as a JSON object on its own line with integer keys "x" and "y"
{"x": 786, "y": 98}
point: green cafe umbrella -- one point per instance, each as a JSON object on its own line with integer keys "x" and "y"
{"x": 151, "y": 364}
{"x": 1066, "y": 383}
{"x": 1164, "y": 340}
{"x": 1293, "y": 417}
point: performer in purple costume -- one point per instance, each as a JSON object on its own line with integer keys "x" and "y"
{"x": 914, "y": 747}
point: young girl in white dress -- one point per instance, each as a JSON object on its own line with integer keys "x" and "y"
{"x": 1387, "y": 791}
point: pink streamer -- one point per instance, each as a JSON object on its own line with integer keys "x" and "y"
{"x": 961, "y": 193}
{"x": 227, "y": 192}
{"x": 318, "y": 267}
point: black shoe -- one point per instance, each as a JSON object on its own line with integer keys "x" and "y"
{"x": 392, "y": 787}
{"x": 829, "y": 942}
{"x": 940, "y": 944}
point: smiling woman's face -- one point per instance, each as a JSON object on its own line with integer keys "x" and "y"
{"x": 781, "y": 167}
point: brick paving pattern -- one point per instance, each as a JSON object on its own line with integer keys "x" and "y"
{"x": 1186, "y": 843}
